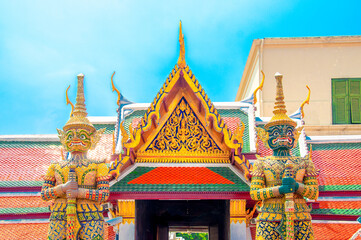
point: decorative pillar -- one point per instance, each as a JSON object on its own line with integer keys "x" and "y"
{"x": 126, "y": 229}
{"x": 239, "y": 229}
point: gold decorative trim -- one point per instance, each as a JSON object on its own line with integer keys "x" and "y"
{"x": 126, "y": 210}
{"x": 238, "y": 220}
{"x": 183, "y": 153}
{"x": 237, "y": 208}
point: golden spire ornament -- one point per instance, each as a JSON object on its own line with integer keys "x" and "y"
{"x": 280, "y": 117}
{"x": 79, "y": 114}
{"x": 181, "y": 59}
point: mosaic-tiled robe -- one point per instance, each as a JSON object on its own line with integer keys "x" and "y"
{"x": 267, "y": 174}
{"x": 93, "y": 186}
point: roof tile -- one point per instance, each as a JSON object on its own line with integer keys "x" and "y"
{"x": 332, "y": 231}
{"x": 36, "y": 231}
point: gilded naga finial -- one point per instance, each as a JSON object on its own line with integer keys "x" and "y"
{"x": 181, "y": 59}
{"x": 260, "y": 87}
{"x": 306, "y": 101}
{"x": 115, "y": 89}
{"x": 69, "y": 102}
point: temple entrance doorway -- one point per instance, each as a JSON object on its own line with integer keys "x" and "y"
{"x": 156, "y": 219}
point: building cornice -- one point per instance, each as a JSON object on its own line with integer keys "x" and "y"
{"x": 252, "y": 57}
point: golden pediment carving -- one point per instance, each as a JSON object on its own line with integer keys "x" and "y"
{"x": 183, "y": 132}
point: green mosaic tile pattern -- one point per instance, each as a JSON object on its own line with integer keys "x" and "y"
{"x": 335, "y": 146}
{"x": 296, "y": 151}
{"x": 4, "y": 184}
{"x": 24, "y": 210}
{"x": 109, "y": 128}
{"x": 237, "y": 113}
{"x": 6, "y": 144}
{"x": 123, "y": 186}
{"x": 340, "y": 188}
{"x": 356, "y": 212}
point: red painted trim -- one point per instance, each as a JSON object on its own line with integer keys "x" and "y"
{"x": 24, "y": 216}
{"x": 334, "y": 217}
{"x": 352, "y": 193}
{"x": 20, "y": 189}
{"x": 178, "y": 195}
{"x": 250, "y": 156}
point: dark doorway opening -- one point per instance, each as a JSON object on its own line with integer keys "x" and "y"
{"x": 154, "y": 219}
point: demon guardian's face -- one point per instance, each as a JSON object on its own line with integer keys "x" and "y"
{"x": 281, "y": 137}
{"x": 78, "y": 140}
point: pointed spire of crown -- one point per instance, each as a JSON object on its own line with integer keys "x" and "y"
{"x": 78, "y": 117}
{"x": 80, "y": 108}
{"x": 280, "y": 117}
{"x": 181, "y": 59}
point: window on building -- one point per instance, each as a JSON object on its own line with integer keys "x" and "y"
{"x": 346, "y": 100}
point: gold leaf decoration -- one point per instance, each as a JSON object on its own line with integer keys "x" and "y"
{"x": 183, "y": 131}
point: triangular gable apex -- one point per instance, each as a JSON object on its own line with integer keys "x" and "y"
{"x": 153, "y": 114}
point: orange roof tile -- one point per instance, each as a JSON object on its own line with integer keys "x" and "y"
{"x": 232, "y": 123}
{"x": 104, "y": 148}
{"x": 332, "y": 231}
{"x": 262, "y": 150}
{"x": 181, "y": 175}
{"x": 21, "y": 231}
{"x": 35, "y": 231}
{"x": 338, "y": 167}
{"x": 28, "y": 161}
{"x": 26, "y": 164}
{"x": 328, "y": 231}
{"x": 23, "y": 202}
{"x": 340, "y": 204}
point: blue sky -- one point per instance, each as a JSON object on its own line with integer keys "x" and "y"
{"x": 45, "y": 44}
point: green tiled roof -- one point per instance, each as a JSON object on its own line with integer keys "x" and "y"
{"x": 29, "y": 144}
{"x": 296, "y": 151}
{"x": 24, "y": 210}
{"x": 237, "y": 113}
{"x": 21, "y": 184}
{"x": 340, "y": 188}
{"x": 356, "y": 212}
{"x": 335, "y": 146}
{"x": 109, "y": 128}
{"x": 123, "y": 186}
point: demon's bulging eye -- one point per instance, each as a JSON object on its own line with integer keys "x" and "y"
{"x": 82, "y": 137}
{"x": 276, "y": 133}
{"x": 70, "y": 136}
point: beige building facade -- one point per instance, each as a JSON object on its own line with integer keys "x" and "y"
{"x": 312, "y": 61}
